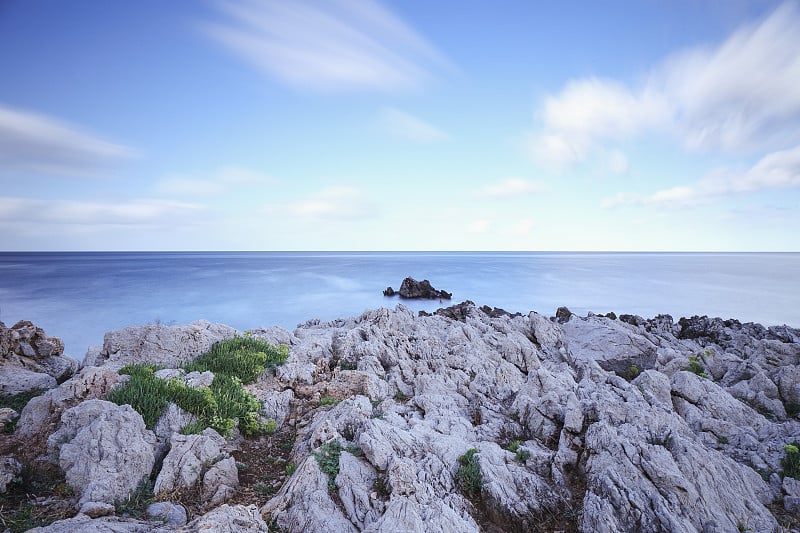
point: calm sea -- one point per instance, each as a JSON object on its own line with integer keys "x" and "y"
{"x": 80, "y": 296}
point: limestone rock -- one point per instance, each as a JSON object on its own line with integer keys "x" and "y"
{"x": 195, "y": 459}
{"x": 15, "y": 380}
{"x": 10, "y": 468}
{"x": 169, "y": 346}
{"x": 7, "y": 416}
{"x": 239, "y": 518}
{"x": 171, "y": 514}
{"x": 26, "y": 350}
{"x": 609, "y": 343}
{"x": 105, "y": 451}
{"x": 277, "y": 405}
{"x": 304, "y": 503}
{"x": 791, "y": 489}
{"x": 109, "y": 524}
{"x": 42, "y": 414}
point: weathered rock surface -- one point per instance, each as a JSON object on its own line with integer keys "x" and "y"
{"x": 239, "y": 518}
{"x": 168, "y": 346}
{"x": 617, "y": 425}
{"x": 669, "y": 451}
{"x": 31, "y": 360}
{"x": 105, "y": 452}
{"x": 42, "y": 414}
{"x": 413, "y": 289}
{"x": 171, "y": 514}
{"x": 10, "y": 468}
{"x": 107, "y": 524}
{"x": 199, "y": 459}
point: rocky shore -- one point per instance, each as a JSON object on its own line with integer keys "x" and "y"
{"x": 469, "y": 419}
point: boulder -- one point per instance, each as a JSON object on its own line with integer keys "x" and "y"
{"x": 239, "y": 518}
{"x": 40, "y": 417}
{"x": 25, "y": 350}
{"x": 15, "y": 380}
{"x": 10, "y": 469}
{"x": 199, "y": 460}
{"x": 105, "y": 452}
{"x": 168, "y": 346}
{"x": 171, "y": 514}
{"x": 107, "y": 524}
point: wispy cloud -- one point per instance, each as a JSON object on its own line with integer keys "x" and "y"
{"x": 33, "y": 141}
{"x": 403, "y": 125}
{"x": 334, "y": 203}
{"x": 220, "y": 182}
{"x": 70, "y": 212}
{"x": 777, "y": 170}
{"x": 510, "y": 188}
{"x": 739, "y": 96}
{"x": 337, "y": 44}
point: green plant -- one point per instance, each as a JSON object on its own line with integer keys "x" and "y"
{"x": 514, "y": 446}
{"x": 244, "y": 357}
{"x": 400, "y": 397}
{"x": 791, "y": 461}
{"x": 291, "y": 468}
{"x": 742, "y": 526}
{"x": 696, "y": 367}
{"x": 137, "y": 501}
{"x": 792, "y": 409}
{"x": 18, "y": 402}
{"x": 347, "y": 365}
{"x": 219, "y": 406}
{"x": 722, "y": 439}
{"x": 264, "y": 490}
{"x": 328, "y": 460}
{"x": 328, "y": 400}
{"x": 633, "y": 371}
{"x": 523, "y": 455}
{"x": 469, "y": 477}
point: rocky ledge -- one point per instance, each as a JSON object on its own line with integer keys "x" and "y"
{"x": 467, "y": 420}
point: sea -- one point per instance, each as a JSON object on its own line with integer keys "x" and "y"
{"x": 78, "y": 296}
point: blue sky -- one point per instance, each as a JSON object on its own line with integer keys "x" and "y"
{"x": 407, "y": 125}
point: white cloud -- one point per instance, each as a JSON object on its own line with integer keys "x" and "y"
{"x": 401, "y": 124}
{"x": 70, "y": 212}
{"x": 618, "y": 162}
{"x": 479, "y": 226}
{"x": 511, "y": 187}
{"x": 740, "y": 95}
{"x": 522, "y": 227}
{"x": 337, "y": 44}
{"x": 38, "y": 142}
{"x": 334, "y": 203}
{"x": 220, "y": 182}
{"x": 777, "y": 170}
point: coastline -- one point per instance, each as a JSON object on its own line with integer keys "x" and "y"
{"x": 557, "y": 411}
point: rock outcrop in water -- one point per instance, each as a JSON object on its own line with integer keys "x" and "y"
{"x": 416, "y": 290}
{"x": 468, "y": 421}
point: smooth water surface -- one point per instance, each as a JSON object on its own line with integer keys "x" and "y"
{"x": 80, "y": 296}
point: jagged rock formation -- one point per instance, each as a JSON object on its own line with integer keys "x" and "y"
{"x": 574, "y": 423}
{"x": 168, "y": 346}
{"x": 413, "y": 289}
{"x": 31, "y": 360}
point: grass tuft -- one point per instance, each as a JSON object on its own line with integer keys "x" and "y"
{"x": 468, "y": 477}
{"x": 220, "y": 406}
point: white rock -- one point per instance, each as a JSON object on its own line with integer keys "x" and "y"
{"x": 110, "y": 524}
{"x": 15, "y": 380}
{"x": 10, "y": 468}
{"x": 165, "y": 345}
{"x": 238, "y": 518}
{"x": 172, "y": 514}
{"x": 106, "y": 451}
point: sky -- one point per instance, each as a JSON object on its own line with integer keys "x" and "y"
{"x": 656, "y": 125}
